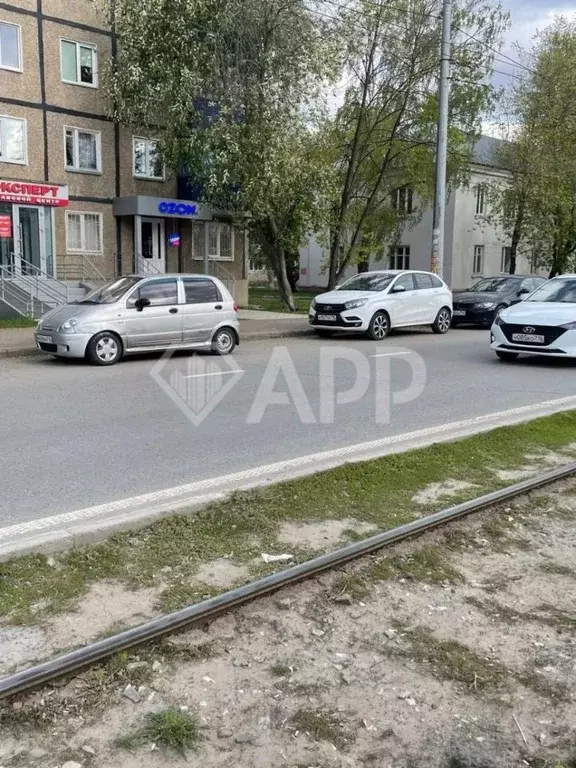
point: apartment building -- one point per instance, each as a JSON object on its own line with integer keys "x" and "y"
{"x": 474, "y": 245}
{"x": 79, "y": 194}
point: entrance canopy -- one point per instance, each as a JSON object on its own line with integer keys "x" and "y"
{"x": 142, "y": 205}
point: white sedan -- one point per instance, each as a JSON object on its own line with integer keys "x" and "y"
{"x": 375, "y": 302}
{"x": 544, "y": 324}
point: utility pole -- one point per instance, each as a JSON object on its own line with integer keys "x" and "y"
{"x": 437, "y": 264}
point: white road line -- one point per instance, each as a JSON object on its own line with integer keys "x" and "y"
{"x": 393, "y": 354}
{"x": 215, "y": 487}
{"x": 215, "y": 373}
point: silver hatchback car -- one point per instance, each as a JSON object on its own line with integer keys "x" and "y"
{"x": 139, "y": 314}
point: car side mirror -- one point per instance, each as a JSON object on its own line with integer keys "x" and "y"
{"x": 399, "y": 289}
{"x": 523, "y": 292}
{"x": 141, "y": 303}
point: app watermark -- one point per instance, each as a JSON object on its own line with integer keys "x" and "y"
{"x": 341, "y": 377}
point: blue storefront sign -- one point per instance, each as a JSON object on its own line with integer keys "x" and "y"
{"x": 177, "y": 209}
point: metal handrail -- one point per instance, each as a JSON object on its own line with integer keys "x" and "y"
{"x": 39, "y": 284}
{"x": 79, "y": 267}
{"x": 145, "y": 267}
{"x": 217, "y": 270}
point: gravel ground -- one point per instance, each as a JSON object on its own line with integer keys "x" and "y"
{"x": 455, "y": 650}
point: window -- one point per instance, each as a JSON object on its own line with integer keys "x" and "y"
{"x": 423, "y": 281}
{"x": 478, "y": 266}
{"x": 528, "y": 284}
{"x": 201, "y": 292}
{"x": 506, "y": 259}
{"x": 10, "y": 46}
{"x": 83, "y": 232}
{"x": 400, "y": 257}
{"x": 480, "y": 199}
{"x": 147, "y": 161}
{"x": 78, "y": 63}
{"x": 402, "y": 200}
{"x": 220, "y": 241}
{"x": 82, "y": 150}
{"x": 12, "y": 140}
{"x": 404, "y": 281}
{"x": 162, "y": 293}
{"x": 436, "y": 282}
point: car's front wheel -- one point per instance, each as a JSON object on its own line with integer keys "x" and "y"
{"x": 508, "y": 357}
{"x": 104, "y": 348}
{"x": 379, "y": 326}
{"x": 443, "y": 321}
{"x": 224, "y": 341}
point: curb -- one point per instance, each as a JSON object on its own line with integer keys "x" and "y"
{"x": 250, "y": 336}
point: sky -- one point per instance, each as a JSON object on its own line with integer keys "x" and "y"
{"x": 526, "y": 18}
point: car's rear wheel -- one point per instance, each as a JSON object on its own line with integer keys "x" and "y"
{"x": 508, "y": 357}
{"x": 379, "y": 326}
{"x": 323, "y": 333}
{"x": 104, "y": 348}
{"x": 443, "y": 321}
{"x": 224, "y": 341}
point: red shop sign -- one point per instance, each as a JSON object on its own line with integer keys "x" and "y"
{"x": 5, "y": 225}
{"x": 34, "y": 194}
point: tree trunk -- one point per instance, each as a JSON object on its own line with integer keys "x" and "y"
{"x": 276, "y": 256}
{"x": 363, "y": 266}
{"x": 516, "y": 235}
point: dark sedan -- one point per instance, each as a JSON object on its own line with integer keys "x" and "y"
{"x": 480, "y": 304}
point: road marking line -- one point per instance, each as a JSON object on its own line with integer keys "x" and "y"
{"x": 216, "y": 487}
{"x": 215, "y": 373}
{"x": 392, "y": 354}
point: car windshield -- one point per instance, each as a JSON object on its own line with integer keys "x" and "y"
{"x": 558, "y": 290}
{"x": 494, "y": 285}
{"x": 110, "y": 291}
{"x": 376, "y": 281}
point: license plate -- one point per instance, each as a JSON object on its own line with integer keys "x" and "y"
{"x": 326, "y": 318}
{"x": 44, "y": 339}
{"x": 528, "y": 338}
{"x": 459, "y": 313}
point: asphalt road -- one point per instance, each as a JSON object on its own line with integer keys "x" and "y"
{"x": 73, "y": 435}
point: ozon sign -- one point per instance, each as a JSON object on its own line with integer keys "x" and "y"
{"x": 33, "y": 194}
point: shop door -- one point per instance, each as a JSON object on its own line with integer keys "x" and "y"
{"x": 153, "y": 259}
{"x": 6, "y": 239}
{"x": 33, "y": 241}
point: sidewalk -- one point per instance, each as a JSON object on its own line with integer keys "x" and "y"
{"x": 18, "y": 342}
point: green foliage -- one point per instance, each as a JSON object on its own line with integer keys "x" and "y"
{"x": 237, "y": 85}
{"x": 170, "y": 729}
{"x": 539, "y": 204}
{"x": 385, "y": 130}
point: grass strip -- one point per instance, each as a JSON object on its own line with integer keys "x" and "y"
{"x": 168, "y": 553}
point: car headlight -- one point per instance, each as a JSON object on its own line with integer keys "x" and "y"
{"x": 68, "y": 326}
{"x": 569, "y": 326}
{"x": 313, "y": 305}
{"x": 498, "y": 319}
{"x": 355, "y": 303}
{"x": 486, "y": 305}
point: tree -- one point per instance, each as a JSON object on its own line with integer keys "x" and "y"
{"x": 235, "y": 85}
{"x": 537, "y": 208}
{"x": 386, "y": 127}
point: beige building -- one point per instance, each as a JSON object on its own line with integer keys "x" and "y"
{"x": 81, "y": 196}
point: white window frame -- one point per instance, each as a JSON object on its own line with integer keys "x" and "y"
{"x": 25, "y": 138}
{"x": 78, "y": 81}
{"x": 82, "y": 214}
{"x": 76, "y": 152}
{"x": 479, "y": 252}
{"x": 480, "y": 199}
{"x": 399, "y": 255}
{"x": 145, "y": 176}
{"x": 506, "y": 252}
{"x": 218, "y": 257}
{"x": 20, "y": 68}
{"x": 406, "y": 206}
